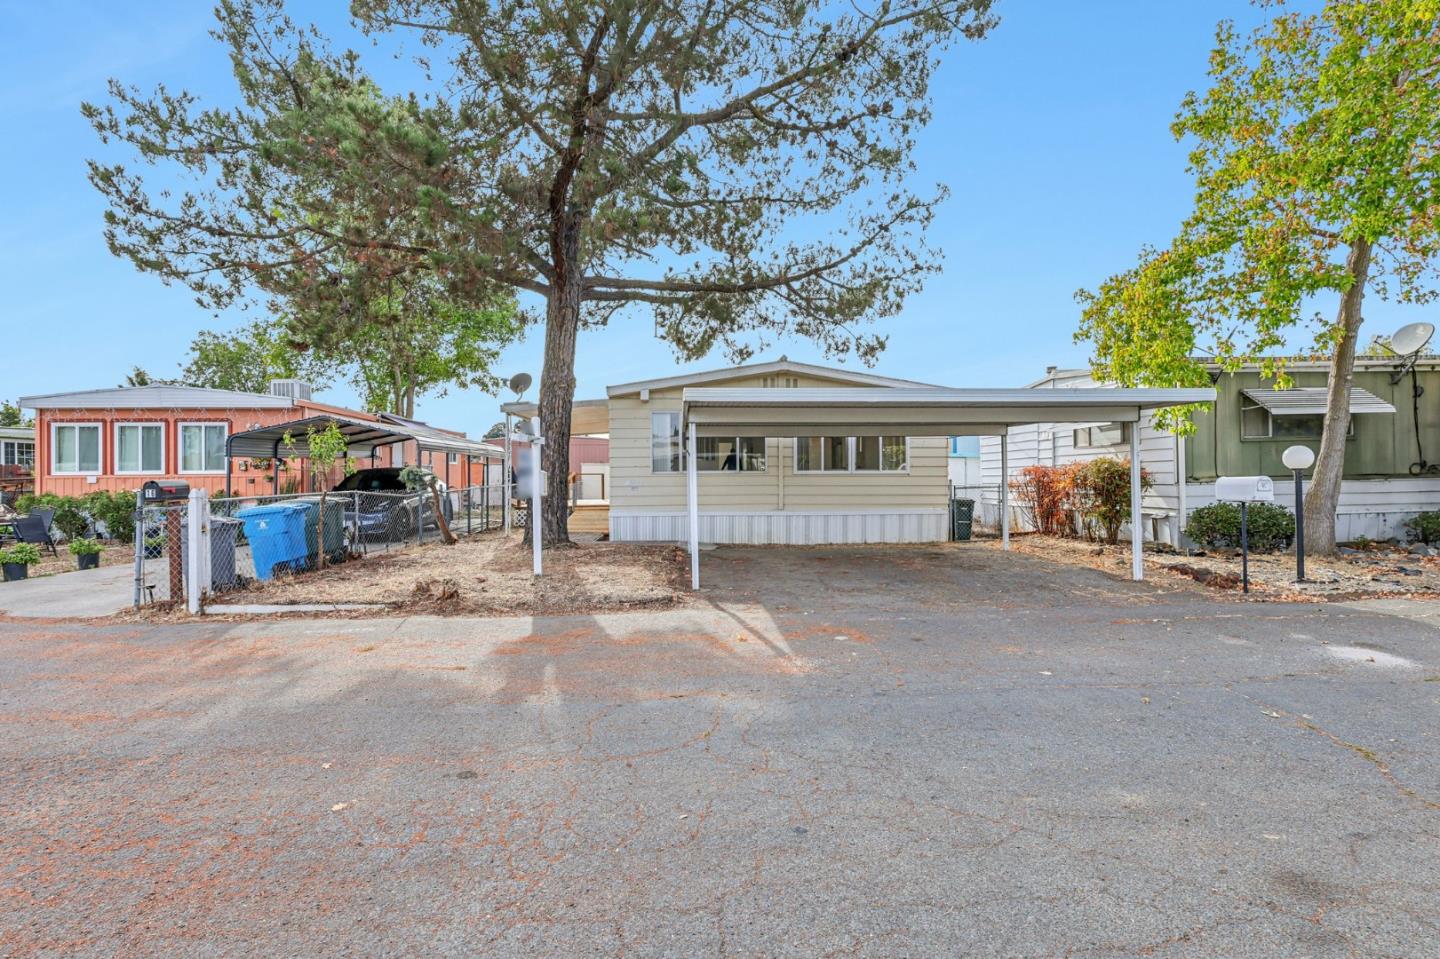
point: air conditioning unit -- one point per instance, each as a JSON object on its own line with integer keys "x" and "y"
{"x": 294, "y": 390}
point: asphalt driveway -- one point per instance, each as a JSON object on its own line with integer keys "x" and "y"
{"x": 844, "y": 752}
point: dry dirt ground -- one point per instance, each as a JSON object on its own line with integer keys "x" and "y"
{"x": 488, "y": 574}
{"x": 1366, "y": 574}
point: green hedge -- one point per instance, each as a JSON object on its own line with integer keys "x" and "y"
{"x": 1271, "y": 528}
{"x": 74, "y": 514}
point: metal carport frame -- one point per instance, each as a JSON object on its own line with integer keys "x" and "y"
{"x": 851, "y": 411}
{"x": 264, "y": 442}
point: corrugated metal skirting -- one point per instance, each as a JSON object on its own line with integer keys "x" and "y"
{"x": 793, "y": 529}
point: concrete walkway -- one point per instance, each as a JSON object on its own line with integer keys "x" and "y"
{"x": 91, "y": 592}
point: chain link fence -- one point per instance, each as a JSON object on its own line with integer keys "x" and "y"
{"x": 160, "y": 553}
{"x": 252, "y": 538}
{"x": 985, "y": 518}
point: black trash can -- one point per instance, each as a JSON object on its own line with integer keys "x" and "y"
{"x": 962, "y": 519}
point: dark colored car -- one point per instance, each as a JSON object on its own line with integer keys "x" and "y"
{"x": 387, "y": 509}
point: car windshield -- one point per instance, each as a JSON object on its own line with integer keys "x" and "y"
{"x": 372, "y": 481}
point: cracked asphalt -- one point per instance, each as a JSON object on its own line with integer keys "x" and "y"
{"x": 839, "y": 752}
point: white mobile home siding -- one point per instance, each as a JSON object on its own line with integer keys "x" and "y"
{"x": 777, "y": 505}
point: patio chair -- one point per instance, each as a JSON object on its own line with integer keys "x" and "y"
{"x": 32, "y": 529}
{"x": 47, "y": 514}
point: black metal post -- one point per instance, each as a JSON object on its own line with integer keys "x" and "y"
{"x": 1244, "y": 551}
{"x": 1299, "y": 530}
{"x": 469, "y": 491}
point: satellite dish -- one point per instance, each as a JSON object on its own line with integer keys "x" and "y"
{"x": 520, "y": 382}
{"x": 1412, "y": 338}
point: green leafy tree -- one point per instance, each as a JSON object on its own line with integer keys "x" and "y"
{"x": 139, "y": 376}
{"x": 249, "y": 358}
{"x": 602, "y": 155}
{"x": 1316, "y": 153}
{"x": 416, "y": 341}
{"x": 12, "y": 415}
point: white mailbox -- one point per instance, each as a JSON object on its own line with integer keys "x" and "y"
{"x": 1245, "y": 489}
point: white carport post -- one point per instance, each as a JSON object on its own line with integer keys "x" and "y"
{"x": 1005, "y": 488}
{"x": 692, "y": 500}
{"x": 1137, "y": 522}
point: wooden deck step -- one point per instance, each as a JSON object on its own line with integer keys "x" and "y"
{"x": 590, "y": 519}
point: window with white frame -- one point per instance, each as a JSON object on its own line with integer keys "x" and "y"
{"x": 202, "y": 447}
{"x": 17, "y": 453}
{"x": 1102, "y": 434}
{"x": 732, "y": 454}
{"x": 852, "y": 454}
{"x": 75, "y": 448}
{"x": 139, "y": 448}
{"x": 665, "y": 447}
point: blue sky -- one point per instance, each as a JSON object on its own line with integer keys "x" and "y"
{"x": 1052, "y": 134}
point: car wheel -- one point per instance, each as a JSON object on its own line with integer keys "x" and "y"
{"x": 401, "y": 525}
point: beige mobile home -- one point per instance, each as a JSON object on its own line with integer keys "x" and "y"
{"x": 771, "y": 489}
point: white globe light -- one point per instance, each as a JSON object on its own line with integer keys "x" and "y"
{"x": 1298, "y": 458}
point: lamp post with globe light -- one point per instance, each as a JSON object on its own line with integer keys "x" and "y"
{"x": 1297, "y": 459}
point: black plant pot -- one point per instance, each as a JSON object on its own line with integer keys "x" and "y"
{"x": 14, "y": 571}
{"x": 154, "y": 551}
{"x": 88, "y": 560}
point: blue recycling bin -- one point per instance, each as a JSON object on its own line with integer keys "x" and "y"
{"x": 277, "y": 536}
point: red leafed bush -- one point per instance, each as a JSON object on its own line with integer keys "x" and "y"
{"x": 1045, "y": 497}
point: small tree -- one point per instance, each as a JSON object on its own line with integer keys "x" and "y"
{"x": 419, "y": 478}
{"x": 328, "y": 448}
{"x": 1102, "y": 494}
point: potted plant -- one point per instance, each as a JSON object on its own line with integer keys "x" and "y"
{"x": 86, "y": 552}
{"x": 154, "y": 545}
{"x": 17, "y": 560}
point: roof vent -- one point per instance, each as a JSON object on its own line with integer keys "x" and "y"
{"x": 294, "y": 390}
{"x": 1050, "y": 370}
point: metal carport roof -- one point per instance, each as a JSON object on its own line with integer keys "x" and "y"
{"x": 718, "y": 411}
{"x": 269, "y": 441}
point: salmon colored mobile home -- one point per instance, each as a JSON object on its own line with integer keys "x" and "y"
{"x": 118, "y": 439}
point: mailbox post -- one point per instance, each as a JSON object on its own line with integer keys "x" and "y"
{"x": 1245, "y": 490}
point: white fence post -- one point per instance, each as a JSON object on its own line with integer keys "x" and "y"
{"x": 197, "y": 546}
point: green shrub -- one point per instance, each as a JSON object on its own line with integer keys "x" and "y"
{"x": 70, "y": 516}
{"x": 1102, "y": 494}
{"x": 116, "y": 511}
{"x": 1271, "y": 528}
{"x": 1424, "y": 528}
{"x": 26, "y": 554}
{"x": 84, "y": 547}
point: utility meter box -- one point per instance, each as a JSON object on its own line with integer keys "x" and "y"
{"x": 1245, "y": 489}
{"x": 164, "y": 491}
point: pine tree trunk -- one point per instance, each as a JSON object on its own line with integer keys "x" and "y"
{"x": 1323, "y": 497}
{"x": 557, "y": 382}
